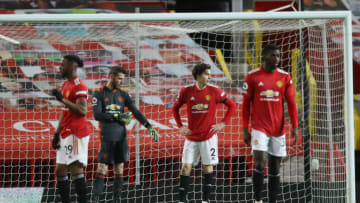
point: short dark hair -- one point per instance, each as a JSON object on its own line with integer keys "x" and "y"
{"x": 74, "y": 58}
{"x": 199, "y": 69}
{"x": 116, "y": 70}
{"x": 268, "y": 48}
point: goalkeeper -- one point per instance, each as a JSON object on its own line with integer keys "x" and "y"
{"x": 108, "y": 107}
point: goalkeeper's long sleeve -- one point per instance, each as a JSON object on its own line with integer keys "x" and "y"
{"x": 137, "y": 114}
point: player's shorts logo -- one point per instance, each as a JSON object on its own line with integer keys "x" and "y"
{"x": 256, "y": 142}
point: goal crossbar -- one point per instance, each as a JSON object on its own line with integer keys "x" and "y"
{"x": 174, "y": 16}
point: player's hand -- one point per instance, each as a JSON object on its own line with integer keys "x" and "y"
{"x": 153, "y": 133}
{"x": 247, "y": 136}
{"x": 294, "y": 134}
{"x": 217, "y": 127}
{"x": 185, "y": 131}
{"x": 124, "y": 118}
{"x": 57, "y": 94}
{"x": 55, "y": 141}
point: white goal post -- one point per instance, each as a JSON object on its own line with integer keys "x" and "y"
{"x": 316, "y": 50}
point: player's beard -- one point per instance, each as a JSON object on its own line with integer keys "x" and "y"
{"x": 115, "y": 85}
{"x": 63, "y": 75}
{"x": 272, "y": 67}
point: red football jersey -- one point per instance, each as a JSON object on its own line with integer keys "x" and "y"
{"x": 73, "y": 123}
{"x": 201, "y": 109}
{"x": 263, "y": 101}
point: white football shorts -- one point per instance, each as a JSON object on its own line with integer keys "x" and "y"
{"x": 275, "y": 146}
{"x": 207, "y": 150}
{"x": 73, "y": 149}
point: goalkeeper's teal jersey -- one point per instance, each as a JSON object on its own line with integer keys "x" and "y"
{"x": 107, "y": 102}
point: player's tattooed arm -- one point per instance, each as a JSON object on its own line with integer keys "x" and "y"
{"x": 80, "y": 107}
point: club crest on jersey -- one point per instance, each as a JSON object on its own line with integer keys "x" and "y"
{"x": 192, "y": 98}
{"x": 208, "y": 97}
{"x": 279, "y": 83}
{"x": 120, "y": 99}
{"x": 260, "y": 84}
{"x": 106, "y": 99}
{"x": 269, "y": 93}
{"x": 200, "y": 106}
{"x": 67, "y": 94}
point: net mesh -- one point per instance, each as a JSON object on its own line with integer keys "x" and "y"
{"x": 167, "y": 51}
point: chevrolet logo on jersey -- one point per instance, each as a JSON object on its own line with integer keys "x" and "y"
{"x": 113, "y": 107}
{"x": 200, "y": 106}
{"x": 269, "y": 93}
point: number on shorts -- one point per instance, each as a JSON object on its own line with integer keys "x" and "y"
{"x": 212, "y": 150}
{"x": 68, "y": 149}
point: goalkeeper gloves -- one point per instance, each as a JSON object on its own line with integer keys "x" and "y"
{"x": 153, "y": 133}
{"x": 55, "y": 141}
{"x": 124, "y": 118}
{"x": 57, "y": 94}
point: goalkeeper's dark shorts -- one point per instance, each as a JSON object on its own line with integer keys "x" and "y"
{"x": 113, "y": 152}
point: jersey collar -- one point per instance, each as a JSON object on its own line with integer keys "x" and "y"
{"x": 113, "y": 90}
{"x": 197, "y": 89}
{"x": 263, "y": 70}
{"x": 76, "y": 77}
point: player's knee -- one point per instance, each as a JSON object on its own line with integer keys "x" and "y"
{"x": 207, "y": 168}
{"x": 76, "y": 168}
{"x": 102, "y": 168}
{"x": 186, "y": 169}
{"x": 274, "y": 165}
{"x": 119, "y": 169}
{"x": 61, "y": 171}
{"x": 259, "y": 165}
{"x": 274, "y": 170}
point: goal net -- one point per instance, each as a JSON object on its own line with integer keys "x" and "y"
{"x": 159, "y": 52}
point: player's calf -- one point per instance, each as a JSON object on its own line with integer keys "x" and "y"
{"x": 258, "y": 182}
{"x": 184, "y": 187}
{"x": 207, "y": 186}
{"x": 80, "y": 187}
{"x": 118, "y": 182}
{"x": 273, "y": 187}
{"x": 99, "y": 184}
{"x": 63, "y": 186}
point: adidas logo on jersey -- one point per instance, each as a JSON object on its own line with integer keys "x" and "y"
{"x": 261, "y": 84}
{"x": 192, "y": 98}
